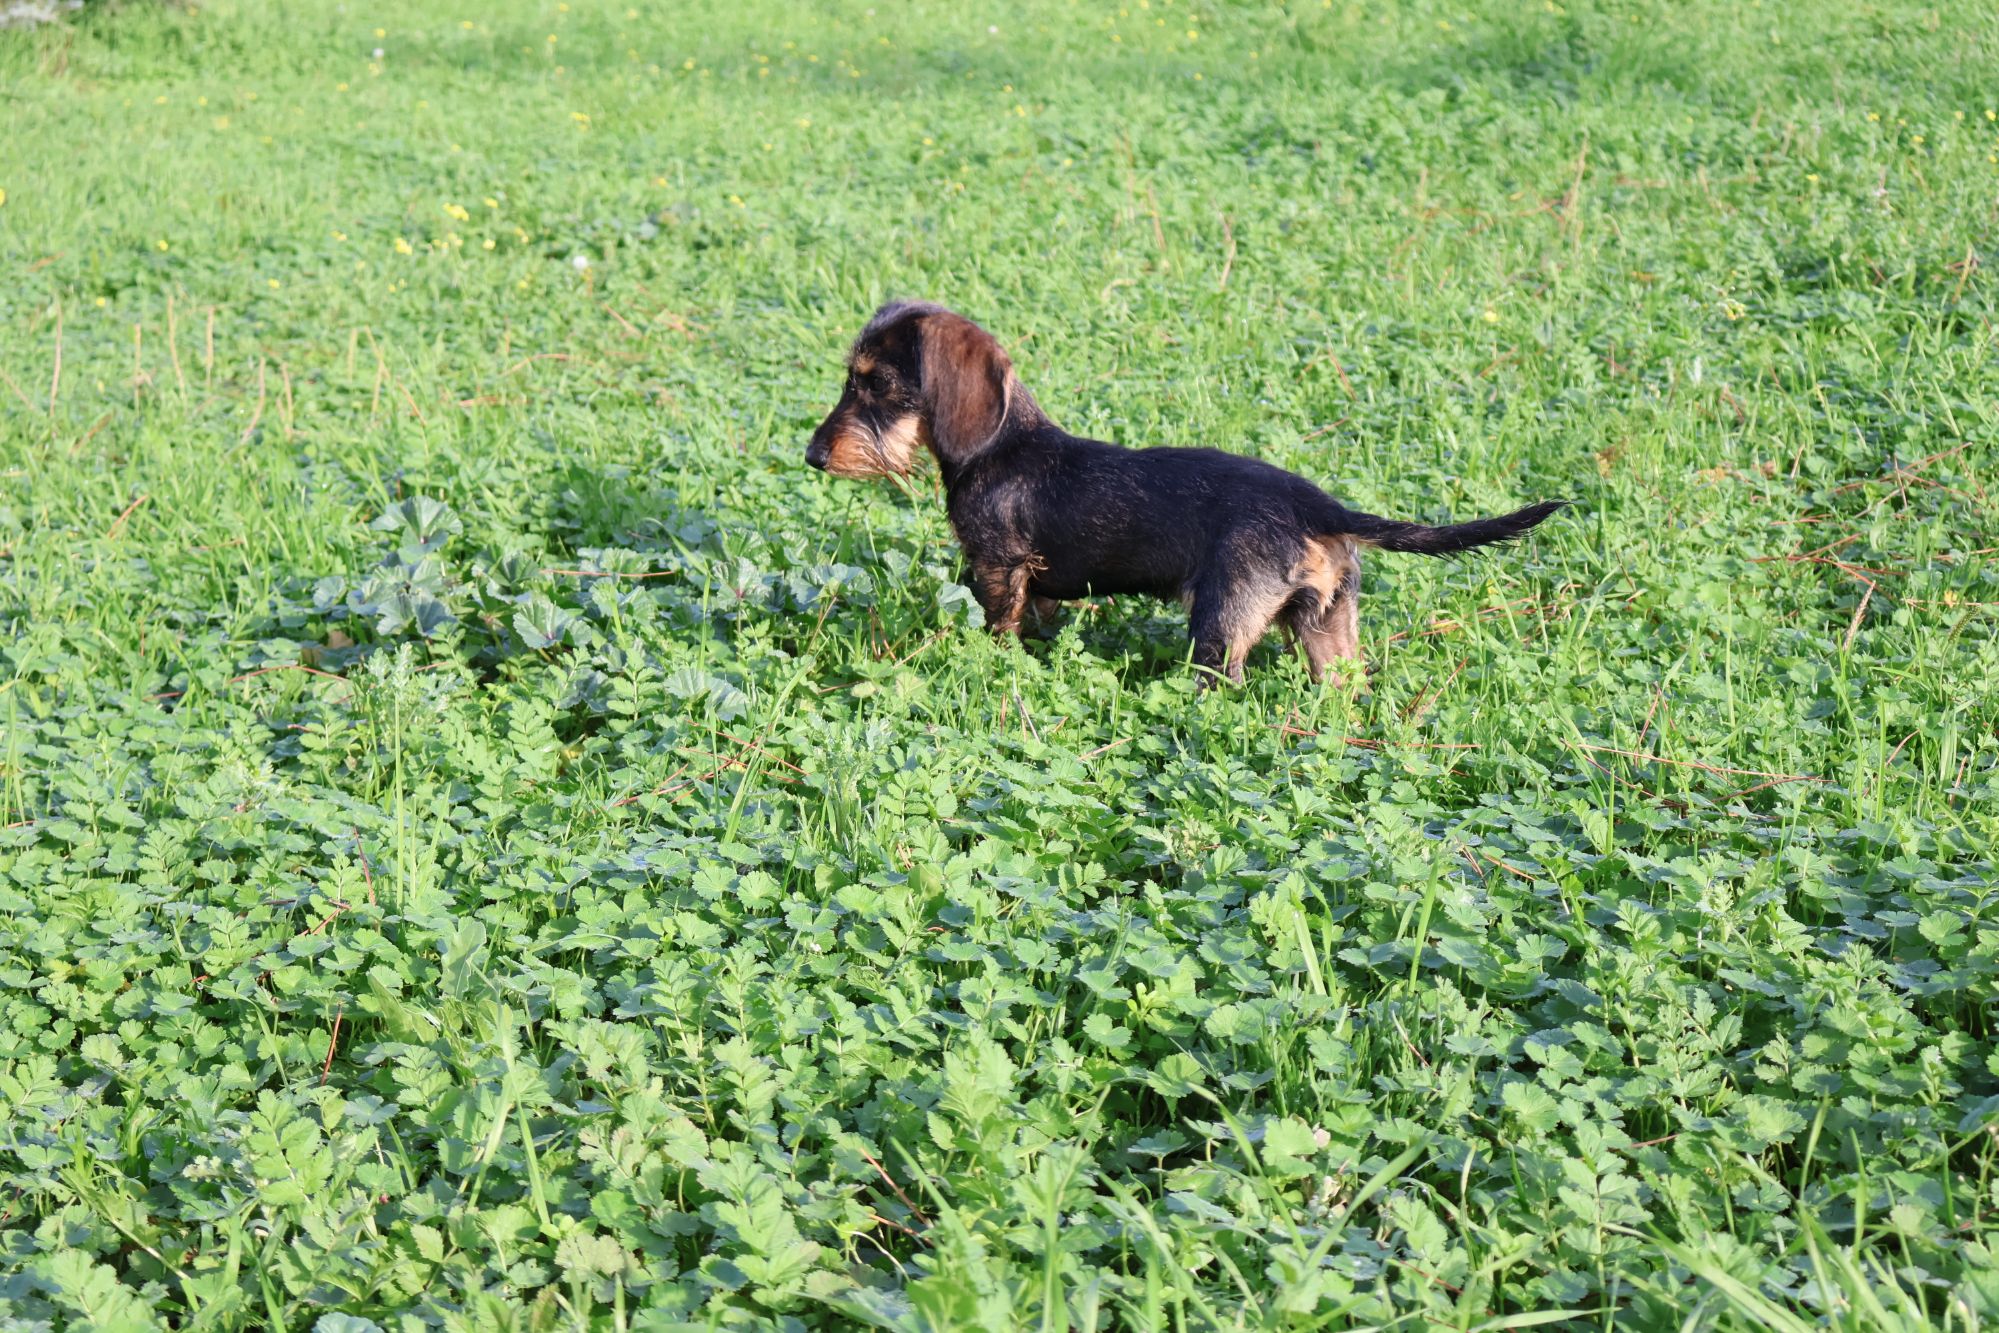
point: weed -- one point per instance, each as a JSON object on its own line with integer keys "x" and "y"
{"x": 493, "y": 841}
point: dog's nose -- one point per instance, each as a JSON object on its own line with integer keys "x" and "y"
{"x": 815, "y": 454}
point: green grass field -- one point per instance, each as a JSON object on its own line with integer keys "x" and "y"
{"x": 493, "y": 841}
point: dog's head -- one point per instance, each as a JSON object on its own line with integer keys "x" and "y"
{"x": 918, "y": 376}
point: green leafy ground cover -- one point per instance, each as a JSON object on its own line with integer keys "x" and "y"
{"x": 494, "y": 842}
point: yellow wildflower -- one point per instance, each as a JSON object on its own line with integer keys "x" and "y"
{"x": 403, "y": 247}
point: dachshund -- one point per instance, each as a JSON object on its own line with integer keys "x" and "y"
{"x": 1046, "y": 517}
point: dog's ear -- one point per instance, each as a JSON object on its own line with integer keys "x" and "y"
{"x": 968, "y": 384}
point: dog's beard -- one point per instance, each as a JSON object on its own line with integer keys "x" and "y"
{"x": 864, "y": 450}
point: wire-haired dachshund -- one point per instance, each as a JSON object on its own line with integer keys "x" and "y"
{"x": 1044, "y": 516}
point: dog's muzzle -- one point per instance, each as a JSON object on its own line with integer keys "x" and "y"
{"x": 818, "y": 452}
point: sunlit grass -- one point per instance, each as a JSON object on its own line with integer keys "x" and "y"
{"x": 493, "y": 840}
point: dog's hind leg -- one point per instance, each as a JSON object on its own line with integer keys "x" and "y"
{"x": 1226, "y": 620}
{"x": 1208, "y": 625}
{"x": 1325, "y": 615}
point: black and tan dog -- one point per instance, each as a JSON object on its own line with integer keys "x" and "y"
{"x": 1044, "y": 516}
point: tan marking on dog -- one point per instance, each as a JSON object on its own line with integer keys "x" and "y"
{"x": 1330, "y": 633}
{"x": 859, "y": 452}
{"x": 851, "y": 453}
{"x": 899, "y": 443}
{"x": 864, "y": 364}
{"x": 1318, "y": 570}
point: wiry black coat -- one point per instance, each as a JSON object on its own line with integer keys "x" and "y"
{"x": 1045, "y": 516}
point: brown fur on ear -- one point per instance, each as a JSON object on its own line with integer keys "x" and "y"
{"x": 968, "y": 385}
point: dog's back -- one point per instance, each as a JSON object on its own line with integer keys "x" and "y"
{"x": 1103, "y": 519}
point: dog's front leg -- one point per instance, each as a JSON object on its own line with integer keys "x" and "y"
{"x": 1001, "y": 589}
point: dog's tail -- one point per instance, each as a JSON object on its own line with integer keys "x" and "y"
{"x": 1392, "y": 535}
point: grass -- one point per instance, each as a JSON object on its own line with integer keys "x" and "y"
{"x": 494, "y": 842}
